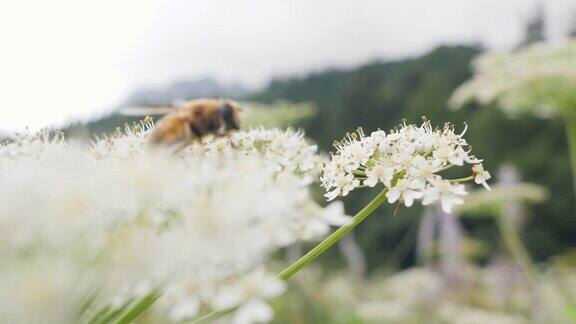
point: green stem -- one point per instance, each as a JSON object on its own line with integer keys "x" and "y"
{"x": 570, "y": 124}
{"x": 137, "y": 308}
{"x": 314, "y": 253}
{"x": 517, "y": 249}
{"x": 462, "y": 179}
{"x": 334, "y": 237}
{"x": 445, "y": 168}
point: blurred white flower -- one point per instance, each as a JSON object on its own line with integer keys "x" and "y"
{"x": 251, "y": 292}
{"x": 114, "y": 221}
{"x": 287, "y": 150}
{"x": 320, "y": 219}
{"x": 539, "y": 79}
{"x": 185, "y": 309}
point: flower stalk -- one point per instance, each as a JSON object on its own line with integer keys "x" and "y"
{"x": 517, "y": 250}
{"x": 314, "y": 253}
{"x": 470, "y": 178}
{"x": 334, "y": 237}
{"x": 570, "y": 124}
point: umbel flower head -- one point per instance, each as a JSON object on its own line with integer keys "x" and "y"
{"x": 408, "y": 161}
{"x": 539, "y": 79}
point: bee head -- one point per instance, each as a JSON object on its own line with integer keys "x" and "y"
{"x": 229, "y": 111}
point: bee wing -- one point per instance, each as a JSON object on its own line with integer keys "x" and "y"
{"x": 146, "y": 111}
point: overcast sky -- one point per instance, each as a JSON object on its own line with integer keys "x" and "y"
{"x": 67, "y": 59}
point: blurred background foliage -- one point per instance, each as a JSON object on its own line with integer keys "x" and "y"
{"x": 419, "y": 295}
{"x": 277, "y": 114}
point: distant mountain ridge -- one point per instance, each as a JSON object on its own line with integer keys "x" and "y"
{"x": 184, "y": 90}
{"x": 181, "y": 90}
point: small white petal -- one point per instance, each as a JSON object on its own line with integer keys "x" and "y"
{"x": 393, "y": 195}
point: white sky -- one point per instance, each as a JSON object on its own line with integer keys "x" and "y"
{"x": 67, "y": 59}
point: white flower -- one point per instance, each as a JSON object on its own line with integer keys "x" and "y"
{"x": 447, "y": 193}
{"x": 378, "y": 136}
{"x": 424, "y": 168}
{"x": 458, "y": 156}
{"x": 358, "y": 154}
{"x": 254, "y": 311}
{"x": 184, "y": 310}
{"x": 379, "y": 173}
{"x": 284, "y": 149}
{"x": 407, "y": 190}
{"x": 320, "y": 219}
{"x": 343, "y": 184}
{"x": 481, "y": 175}
{"x": 194, "y": 224}
{"x": 250, "y": 292}
{"x": 408, "y": 161}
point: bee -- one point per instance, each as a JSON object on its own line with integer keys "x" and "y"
{"x": 192, "y": 120}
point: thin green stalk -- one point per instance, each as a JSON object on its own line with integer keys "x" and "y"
{"x": 462, "y": 179}
{"x": 445, "y": 168}
{"x": 314, "y": 253}
{"x": 334, "y": 237}
{"x": 524, "y": 261}
{"x": 138, "y": 308}
{"x": 570, "y": 125}
{"x": 517, "y": 249}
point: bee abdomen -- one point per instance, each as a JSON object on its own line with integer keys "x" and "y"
{"x": 171, "y": 129}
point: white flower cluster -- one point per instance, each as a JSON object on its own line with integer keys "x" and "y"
{"x": 407, "y": 161}
{"x": 540, "y": 79}
{"x": 127, "y": 142}
{"x": 116, "y": 221}
{"x": 283, "y": 150}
